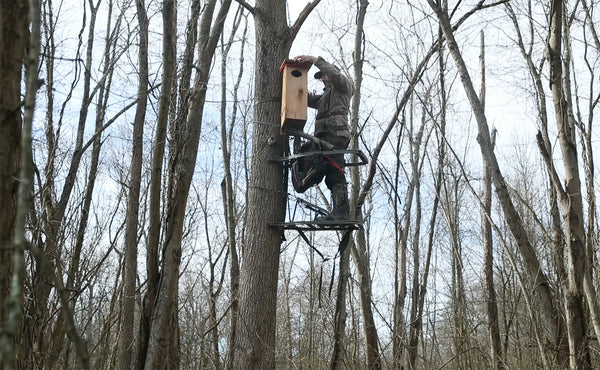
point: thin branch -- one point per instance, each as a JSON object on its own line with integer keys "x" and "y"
{"x": 302, "y": 17}
{"x": 550, "y": 166}
{"x": 249, "y": 7}
{"x": 316, "y": 140}
{"x": 416, "y": 77}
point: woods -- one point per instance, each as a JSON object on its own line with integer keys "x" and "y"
{"x": 140, "y": 184}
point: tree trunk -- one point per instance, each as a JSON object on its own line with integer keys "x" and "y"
{"x": 361, "y": 253}
{"x": 339, "y": 360}
{"x": 154, "y": 227}
{"x": 415, "y": 321}
{"x": 255, "y": 340}
{"x": 130, "y": 250}
{"x": 400, "y": 284}
{"x": 13, "y": 40}
{"x": 570, "y": 199}
{"x": 338, "y": 357}
{"x": 460, "y": 325}
{"x": 558, "y": 240}
{"x": 415, "y": 139}
{"x": 227, "y": 188}
{"x": 14, "y": 21}
{"x": 591, "y": 239}
{"x": 488, "y": 263}
{"x": 366, "y": 301}
{"x": 267, "y": 189}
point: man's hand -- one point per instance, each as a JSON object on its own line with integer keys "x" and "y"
{"x": 305, "y": 59}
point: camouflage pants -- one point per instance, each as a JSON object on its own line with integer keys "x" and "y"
{"x": 334, "y": 174}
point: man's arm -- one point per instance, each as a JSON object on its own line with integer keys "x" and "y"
{"x": 313, "y": 100}
{"x": 336, "y": 77}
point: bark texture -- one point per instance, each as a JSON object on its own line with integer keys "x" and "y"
{"x": 255, "y": 337}
{"x": 570, "y": 200}
{"x": 13, "y": 40}
{"x": 129, "y": 293}
{"x": 267, "y": 188}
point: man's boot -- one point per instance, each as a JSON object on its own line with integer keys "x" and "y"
{"x": 339, "y": 197}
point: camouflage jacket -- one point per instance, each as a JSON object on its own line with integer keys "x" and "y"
{"x": 333, "y": 104}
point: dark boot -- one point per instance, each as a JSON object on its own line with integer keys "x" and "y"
{"x": 339, "y": 197}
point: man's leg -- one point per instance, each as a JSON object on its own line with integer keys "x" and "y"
{"x": 339, "y": 195}
{"x": 335, "y": 179}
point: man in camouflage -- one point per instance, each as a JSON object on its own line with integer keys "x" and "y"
{"x": 331, "y": 125}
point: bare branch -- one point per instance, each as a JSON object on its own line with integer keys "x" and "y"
{"x": 302, "y": 17}
{"x": 249, "y": 7}
{"x": 550, "y": 166}
{"x": 416, "y": 77}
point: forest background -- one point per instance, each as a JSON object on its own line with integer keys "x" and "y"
{"x": 138, "y": 190}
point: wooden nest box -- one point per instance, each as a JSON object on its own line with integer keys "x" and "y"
{"x": 294, "y": 95}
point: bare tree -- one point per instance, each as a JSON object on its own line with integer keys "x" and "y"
{"x": 14, "y": 22}
{"x": 569, "y": 197}
{"x": 535, "y": 71}
{"x": 359, "y": 249}
{"x": 400, "y": 272}
{"x": 409, "y": 231}
{"x": 452, "y": 203}
{"x": 420, "y": 287}
{"x": 50, "y": 225}
{"x": 129, "y": 292}
{"x": 156, "y": 173}
{"x": 227, "y": 185}
{"x": 488, "y": 264}
{"x": 164, "y": 327}
{"x": 586, "y": 133}
{"x": 255, "y": 333}
{"x": 532, "y": 264}
{"x": 76, "y": 272}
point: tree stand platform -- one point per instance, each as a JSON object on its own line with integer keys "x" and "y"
{"x": 325, "y": 149}
{"x": 325, "y": 225}
{"x": 317, "y": 225}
